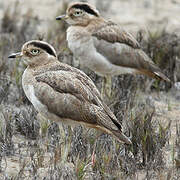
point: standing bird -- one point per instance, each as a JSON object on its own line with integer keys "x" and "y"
{"x": 62, "y": 93}
{"x": 103, "y": 46}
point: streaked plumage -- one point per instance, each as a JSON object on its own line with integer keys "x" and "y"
{"x": 103, "y": 46}
{"x": 62, "y": 93}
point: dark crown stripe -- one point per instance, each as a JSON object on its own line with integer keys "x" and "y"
{"x": 45, "y": 47}
{"x": 86, "y": 8}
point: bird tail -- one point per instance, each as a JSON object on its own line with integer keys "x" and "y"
{"x": 111, "y": 126}
{"x": 160, "y": 75}
{"x": 154, "y": 74}
{"x": 121, "y": 137}
{"x": 147, "y": 67}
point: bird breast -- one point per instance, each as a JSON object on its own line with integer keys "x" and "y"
{"x": 27, "y": 84}
{"x": 82, "y": 45}
{"x": 79, "y": 41}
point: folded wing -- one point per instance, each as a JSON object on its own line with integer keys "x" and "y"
{"x": 70, "y": 94}
{"x": 122, "y": 49}
{"x": 113, "y": 33}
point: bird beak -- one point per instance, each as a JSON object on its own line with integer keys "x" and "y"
{"x": 62, "y": 17}
{"x": 15, "y": 55}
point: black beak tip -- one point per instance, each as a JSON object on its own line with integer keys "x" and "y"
{"x": 12, "y": 56}
{"x": 58, "y": 18}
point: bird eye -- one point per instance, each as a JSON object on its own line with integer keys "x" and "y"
{"x": 78, "y": 13}
{"x": 34, "y": 51}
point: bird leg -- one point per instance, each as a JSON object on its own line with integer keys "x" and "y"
{"x": 106, "y": 87}
{"x": 93, "y": 157}
{"x": 67, "y": 142}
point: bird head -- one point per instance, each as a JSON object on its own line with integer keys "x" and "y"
{"x": 35, "y": 52}
{"x": 79, "y": 13}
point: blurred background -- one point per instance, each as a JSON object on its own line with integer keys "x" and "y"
{"x": 149, "y": 109}
{"x": 133, "y": 14}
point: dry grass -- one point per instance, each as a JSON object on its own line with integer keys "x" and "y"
{"x": 42, "y": 150}
{"x": 164, "y": 49}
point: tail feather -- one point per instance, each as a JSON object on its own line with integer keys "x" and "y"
{"x": 155, "y": 74}
{"x": 161, "y": 76}
{"x": 121, "y": 137}
{"x": 111, "y": 126}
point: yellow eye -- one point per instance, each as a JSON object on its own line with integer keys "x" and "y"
{"x": 35, "y": 51}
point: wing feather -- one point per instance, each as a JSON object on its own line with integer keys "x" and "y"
{"x": 125, "y": 56}
{"x": 122, "y": 49}
{"x": 73, "y": 95}
{"x": 113, "y": 33}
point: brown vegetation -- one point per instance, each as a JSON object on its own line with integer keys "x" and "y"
{"x": 39, "y": 149}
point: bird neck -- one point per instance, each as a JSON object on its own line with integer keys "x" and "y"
{"x": 95, "y": 24}
{"x": 42, "y": 62}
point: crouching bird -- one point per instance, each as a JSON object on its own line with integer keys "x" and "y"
{"x": 62, "y": 93}
{"x": 103, "y": 46}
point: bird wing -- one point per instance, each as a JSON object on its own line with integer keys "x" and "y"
{"x": 113, "y": 33}
{"x": 69, "y": 93}
{"x": 126, "y": 56}
{"x": 122, "y": 49}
